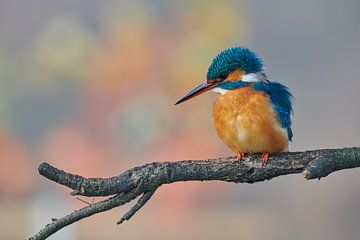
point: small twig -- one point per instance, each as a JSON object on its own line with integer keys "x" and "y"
{"x": 81, "y": 200}
{"x": 144, "y": 180}
{"x": 139, "y": 204}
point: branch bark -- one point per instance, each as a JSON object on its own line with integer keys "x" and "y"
{"x": 144, "y": 180}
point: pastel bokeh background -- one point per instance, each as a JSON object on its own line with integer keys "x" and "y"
{"x": 89, "y": 86}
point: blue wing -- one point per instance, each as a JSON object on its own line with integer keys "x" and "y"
{"x": 281, "y": 99}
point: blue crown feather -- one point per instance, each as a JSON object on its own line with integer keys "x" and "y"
{"x": 233, "y": 59}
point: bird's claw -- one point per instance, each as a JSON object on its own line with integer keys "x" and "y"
{"x": 265, "y": 157}
{"x": 240, "y": 156}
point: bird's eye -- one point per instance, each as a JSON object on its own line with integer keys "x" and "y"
{"x": 218, "y": 79}
{"x": 223, "y": 76}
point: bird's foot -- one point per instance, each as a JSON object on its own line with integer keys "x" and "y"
{"x": 265, "y": 157}
{"x": 240, "y": 156}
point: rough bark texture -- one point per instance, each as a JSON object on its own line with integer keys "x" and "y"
{"x": 144, "y": 180}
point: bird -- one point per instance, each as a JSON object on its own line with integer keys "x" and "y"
{"x": 251, "y": 114}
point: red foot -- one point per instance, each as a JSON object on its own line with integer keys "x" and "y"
{"x": 265, "y": 157}
{"x": 240, "y": 156}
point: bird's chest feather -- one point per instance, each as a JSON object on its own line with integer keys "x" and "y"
{"x": 246, "y": 121}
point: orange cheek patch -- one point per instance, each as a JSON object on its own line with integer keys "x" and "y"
{"x": 236, "y": 76}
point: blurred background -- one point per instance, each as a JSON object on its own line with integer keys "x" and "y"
{"x": 89, "y": 87}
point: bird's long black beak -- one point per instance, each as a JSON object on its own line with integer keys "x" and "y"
{"x": 203, "y": 87}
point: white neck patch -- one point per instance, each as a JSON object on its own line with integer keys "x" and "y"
{"x": 219, "y": 90}
{"x": 251, "y": 77}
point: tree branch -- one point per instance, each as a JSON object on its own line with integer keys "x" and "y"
{"x": 144, "y": 180}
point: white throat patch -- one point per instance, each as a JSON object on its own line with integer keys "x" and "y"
{"x": 219, "y": 90}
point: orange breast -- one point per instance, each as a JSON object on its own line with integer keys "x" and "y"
{"x": 246, "y": 122}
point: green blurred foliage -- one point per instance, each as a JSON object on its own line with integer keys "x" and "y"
{"x": 62, "y": 51}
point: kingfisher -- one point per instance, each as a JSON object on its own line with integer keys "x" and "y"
{"x": 251, "y": 114}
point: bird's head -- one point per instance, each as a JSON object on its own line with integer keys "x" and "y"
{"x": 232, "y": 68}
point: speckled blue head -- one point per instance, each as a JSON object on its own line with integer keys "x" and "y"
{"x": 235, "y": 58}
{"x": 226, "y": 62}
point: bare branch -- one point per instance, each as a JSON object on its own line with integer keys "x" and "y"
{"x": 144, "y": 180}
